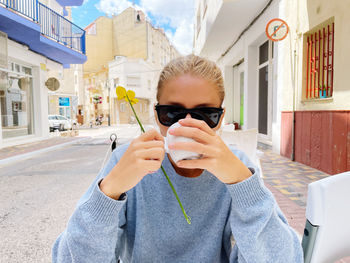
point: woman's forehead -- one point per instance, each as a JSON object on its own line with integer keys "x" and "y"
{"x": 189, "y": 91}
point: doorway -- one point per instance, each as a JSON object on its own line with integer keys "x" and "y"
{"x": 265, "y": 55}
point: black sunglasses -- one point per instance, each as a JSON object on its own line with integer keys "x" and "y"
{"x": 169, "y": 114}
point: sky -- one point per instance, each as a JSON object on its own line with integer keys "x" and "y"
{"x": 176, "y": 17}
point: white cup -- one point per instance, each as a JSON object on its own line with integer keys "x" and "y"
{"x": 177, "y": 155}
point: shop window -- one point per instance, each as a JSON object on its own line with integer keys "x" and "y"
{"x": 319, "y": 62}
{"x": 16, "y": 102}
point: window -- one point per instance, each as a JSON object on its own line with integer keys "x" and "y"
{"x": 16, "y": 101}
{"x": 132, "y": 81}
{"x": 319, "y": 59}
{"x": 122, "y": 107}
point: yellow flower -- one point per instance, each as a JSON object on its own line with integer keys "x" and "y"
{"x": 123, "y": 94}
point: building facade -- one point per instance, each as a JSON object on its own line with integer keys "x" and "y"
{"x": 300, "y": 79}
{"x": 129, "y": 35}
{"x": 136, "y": 75}
{"x": 67, "y": 98}
{"x": 35, "y": 42}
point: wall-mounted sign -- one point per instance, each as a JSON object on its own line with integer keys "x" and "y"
{"x": 63, "y": 101}
{"x": 52, "y": 84}
{"x": 43, "y": 66}
{"x": 277, "y": 29}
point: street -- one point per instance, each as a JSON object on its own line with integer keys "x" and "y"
{"x": 39, "y": 194}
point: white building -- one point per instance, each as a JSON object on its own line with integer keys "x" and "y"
{"x": 232, "y": 33}
{"x": 33, "y": 48}
{"x": 295, "y": 91}
{"x": 136, "y": 75}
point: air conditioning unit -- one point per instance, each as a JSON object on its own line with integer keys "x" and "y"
{"x": 3, "y": 50}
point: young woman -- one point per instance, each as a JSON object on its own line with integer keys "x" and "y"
{"x": 131, "y": 213}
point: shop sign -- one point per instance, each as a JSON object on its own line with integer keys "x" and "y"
{"x": 63, "y": 101}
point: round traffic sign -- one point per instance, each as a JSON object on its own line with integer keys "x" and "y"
{"x": 277, "y": 29}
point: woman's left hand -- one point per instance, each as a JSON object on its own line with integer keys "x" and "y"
{"x": 217, "y": 158}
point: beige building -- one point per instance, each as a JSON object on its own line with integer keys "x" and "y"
{"x": 130, "y": 35}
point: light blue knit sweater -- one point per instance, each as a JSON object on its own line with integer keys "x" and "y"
{"x": 148, "y": 226}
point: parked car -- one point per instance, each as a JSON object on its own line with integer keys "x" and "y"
{"x": 61, "y": 123}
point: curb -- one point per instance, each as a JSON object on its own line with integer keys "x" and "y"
{"x": 33, "y": 153}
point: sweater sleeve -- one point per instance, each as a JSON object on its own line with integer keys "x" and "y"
{"x": 260, "y": 230}
{"x": 95, "y": 226}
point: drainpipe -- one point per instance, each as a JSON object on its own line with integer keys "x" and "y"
{"x": 298, "y": 36}
{"x": 293, "y": 113}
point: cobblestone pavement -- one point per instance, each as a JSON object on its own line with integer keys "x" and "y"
{"x": 288, "y": 181}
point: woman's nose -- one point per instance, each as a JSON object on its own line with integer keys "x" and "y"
{"x": 188, "y": 115}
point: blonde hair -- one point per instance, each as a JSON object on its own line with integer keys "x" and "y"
{"x": 196, "y": 66}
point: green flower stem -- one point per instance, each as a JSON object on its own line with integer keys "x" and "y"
{"x": 137, "y": 118}
{"x": 188, "y": 219}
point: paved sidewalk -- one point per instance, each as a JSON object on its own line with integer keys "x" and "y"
{"x": 288, "y": 181}
{"x": 12, "y": 151}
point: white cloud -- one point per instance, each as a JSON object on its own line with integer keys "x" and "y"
{"x": 112, "y": 7}
{"x": 178, "y": 14}
{"x": 182, "y": 39}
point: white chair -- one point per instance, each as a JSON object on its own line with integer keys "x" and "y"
{"x": 228, "y": 127}
{"x": 327, "y": 230}
{"x": 244, "y": 140}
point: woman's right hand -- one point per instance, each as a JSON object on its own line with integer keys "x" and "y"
{"x": 144, "y": 155}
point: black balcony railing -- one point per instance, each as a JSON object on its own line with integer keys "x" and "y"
{"x": 52, "y": 24}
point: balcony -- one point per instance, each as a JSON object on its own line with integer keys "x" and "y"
{"x": 43, "y": 30}
{"x": 70, "y": 2}
{"x": 223, "y": 23}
